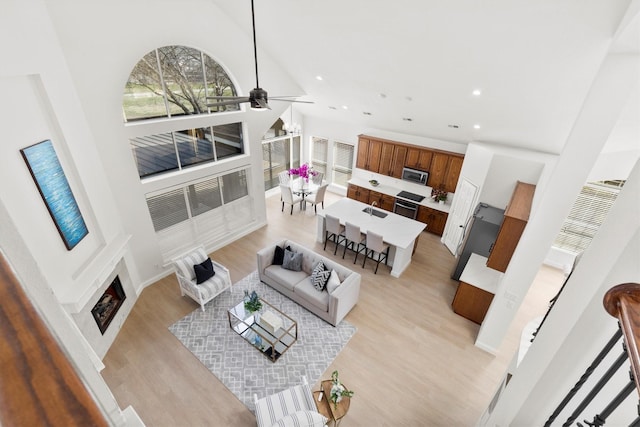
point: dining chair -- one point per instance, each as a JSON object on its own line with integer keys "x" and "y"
{"x": 284, "y": 177}
{"x": 375, "y": 245}
{"x": 317, "y": 178}
{"x": 354, "y": 240}
{"x": 317, "y": 197}
{"x": 288, "y": 197}
{"x": 334, "y": 231}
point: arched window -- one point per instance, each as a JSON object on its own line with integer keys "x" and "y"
{"x": 174, "y": 82}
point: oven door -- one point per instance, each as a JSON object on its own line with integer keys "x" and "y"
{"x": 410, "y": 210}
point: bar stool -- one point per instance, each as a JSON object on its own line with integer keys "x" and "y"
{"x": 354, "y": 239}
{"x": 334, "y": 231}
{"x": 373, "y": 245}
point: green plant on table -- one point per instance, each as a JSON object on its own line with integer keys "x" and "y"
{"x": 252, "y": 302}
{"x": 338, "y": 391}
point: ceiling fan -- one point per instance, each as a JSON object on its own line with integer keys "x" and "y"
{"x": 258, "y": 96}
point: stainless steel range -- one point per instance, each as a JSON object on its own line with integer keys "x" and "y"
{"x": 405, "y": 208}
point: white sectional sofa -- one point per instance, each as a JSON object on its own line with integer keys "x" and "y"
{"x": 297, "y": 285}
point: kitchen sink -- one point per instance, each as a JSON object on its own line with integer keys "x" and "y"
{"x": 375, "y": 212}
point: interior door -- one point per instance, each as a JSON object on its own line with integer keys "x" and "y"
{"x": 461, "y": 209}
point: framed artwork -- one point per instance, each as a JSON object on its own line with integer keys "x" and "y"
{"x": 53, "y": 186}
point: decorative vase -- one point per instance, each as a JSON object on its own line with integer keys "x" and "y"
{"x": 441, "y": 202}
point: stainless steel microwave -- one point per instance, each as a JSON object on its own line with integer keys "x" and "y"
{"x": 415, "y": 176}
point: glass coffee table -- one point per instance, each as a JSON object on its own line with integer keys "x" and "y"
{"x": 270, "y": 331}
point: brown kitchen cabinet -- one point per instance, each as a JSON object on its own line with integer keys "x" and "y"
{"x": 383, "y": 201}
{"x": 418, "y": 158}
{"x": 445, "y": 171}
{"x": 453, "y": 173}
{"x": 471, "y": 302}
{"x": 369, "y": 152}
{"x": 435, "y": 219}
{"x": 515, "y": 219}
{"x": 399, "y": 158}
{"x": 358, "y": 193}
{"x": 386, "y": 158}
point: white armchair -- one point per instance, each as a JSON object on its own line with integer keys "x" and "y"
{"x": 291, "y": 407}
{"x": 206, "y": 291}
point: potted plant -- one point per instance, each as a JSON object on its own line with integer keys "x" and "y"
{"x": 252, "y": 302}
{"x": 338, "y": 391}
{"x": 439, "y": 195}
{"x": 304, "y": 172}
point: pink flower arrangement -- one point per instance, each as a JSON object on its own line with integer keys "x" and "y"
{"x": 438, "y": 195}
{"x": 304, "y": 171}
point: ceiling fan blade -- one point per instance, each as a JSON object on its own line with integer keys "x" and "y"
{"x": 231, "y": 102}
{"x": 227, "y": 97}
{"x": 290, "y": 100}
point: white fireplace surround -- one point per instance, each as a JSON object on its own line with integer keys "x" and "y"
{"x": 109, "y": 264}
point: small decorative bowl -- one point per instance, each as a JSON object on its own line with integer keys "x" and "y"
{"x": 374, "y": 182}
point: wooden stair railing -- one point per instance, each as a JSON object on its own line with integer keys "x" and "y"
{"x": 38, "y": 384}
{"x": 623, "y": 302}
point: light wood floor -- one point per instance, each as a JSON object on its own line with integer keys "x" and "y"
{"x": 412, "y": 361}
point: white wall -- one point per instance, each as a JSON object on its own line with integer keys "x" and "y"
{"x": 114, "y": 36}
{"x": 578, "y": 326}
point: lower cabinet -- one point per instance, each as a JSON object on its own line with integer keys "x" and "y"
{"x": 383, "y": 201}
{"x": 358, "y": 193}
{"x": 435, "y": 219}
{"x": 471, "y": 302}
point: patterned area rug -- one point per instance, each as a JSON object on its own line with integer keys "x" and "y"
{"x": 240, "y": 367}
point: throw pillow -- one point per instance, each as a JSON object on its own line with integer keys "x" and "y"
{"x": 302, "y": 418}
{"x": 204, "y": 271}
{"x": 333, "y": 282}
{"x": 278, "y": 255}
{"x": 320, "y": 276}
{"x": 292, "y": 260}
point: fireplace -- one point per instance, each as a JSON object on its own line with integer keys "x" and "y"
{"x": 107, "y": 306}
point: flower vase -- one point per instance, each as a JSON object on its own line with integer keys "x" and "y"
{"x": 441, "y": 202}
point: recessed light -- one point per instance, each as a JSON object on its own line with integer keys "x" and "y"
{"x": 476, "y": 92}
{"x": 366, "y": 113}
{"x": 319, "y": 78}
{"x": 408, "y": 98}
{"x": 344, "y": 107}
{"x": 382, "y": 95}
{"x": 331, "y": 107}
{"x": 453, "y": 126}
{"x": 476, "y": 126}
{"x": 407, "y": 119}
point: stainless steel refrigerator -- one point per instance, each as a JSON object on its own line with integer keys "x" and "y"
{"x": 481, "y": 232}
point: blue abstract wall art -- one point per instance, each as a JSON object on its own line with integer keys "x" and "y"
{"x": 54, "y": 188}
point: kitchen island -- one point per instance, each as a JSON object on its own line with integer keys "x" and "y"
{"x": 399, "y": 232}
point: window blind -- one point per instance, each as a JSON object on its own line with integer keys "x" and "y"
{"x": 167, "y": 209}
{"x": 587, "y": 214}
{"x": 342, "y": 162}
{"x": 319, "y": 159}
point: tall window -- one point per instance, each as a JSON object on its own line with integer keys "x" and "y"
{"x": 170, "y": 82}
{"x": 172, "y": 207}
{"x": 342, "y": 163}
{"x": 319, "y": 156}
{"x": 278, "y": 155}
{"x": 587, "y": 214}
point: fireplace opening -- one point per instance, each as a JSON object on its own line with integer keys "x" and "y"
{"x": 107, "y": 306}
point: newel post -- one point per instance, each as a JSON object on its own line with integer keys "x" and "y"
{"x": 623, "y": 302}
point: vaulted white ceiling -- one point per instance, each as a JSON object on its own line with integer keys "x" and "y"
{"x": 533, "y": 61}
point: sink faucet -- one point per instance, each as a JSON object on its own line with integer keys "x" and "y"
{"x": 371, "y": 207}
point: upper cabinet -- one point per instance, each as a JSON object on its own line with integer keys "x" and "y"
{"x": 515, "y": 219}
{"x": 445, "y": 171}
{"x": 389, "y": 157}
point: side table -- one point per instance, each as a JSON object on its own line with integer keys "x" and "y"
{"x": 326, "y": 407}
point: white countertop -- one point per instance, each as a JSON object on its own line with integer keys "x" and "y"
{"x": 477, "y": 273}
{"x": 396, "y": 230}
{"x": 391, "y": 190}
